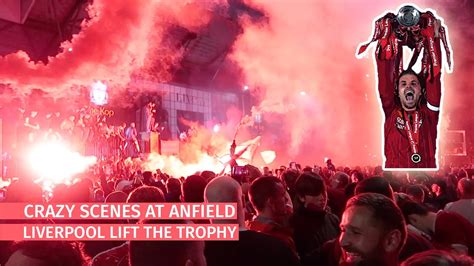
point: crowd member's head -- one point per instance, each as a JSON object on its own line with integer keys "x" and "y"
{"x": 439, "y": 187}
{"x": 308, "y": 169}
{"x": 253, "y": 173}
{"x": 311, "y": 192}
{"x": 437, "y": 258}
{"x": 147, "y": 178}
{"x": 173, "y": 186}
{"x": 340, "y": 180}
{"x": 409, "y": 88}
{"x": 193, "y": 189}
{"x": 357, "y": 176}
{"x": 226, "y": 189}
{"x": 208, "y": 175}
{"x": 347, "y": 170}
{"x": 373, "y": 230}
{"x": 395, "y": 184}
{"x": 425, "y": 220}
{"x": 416, "y": 214}
{"x": 116, "y": 197}
{"x": 47, "y": 253}
{"x": 374, "y": 184}
{"x": 278, "y": 173}
{"x": 466, "y": 188}
{"x": 268, "y": 197}
{"x": 415, "y": 242}
{"x": 349, "y": 191}
{"x": 146, "y": 194}
{"x": 289, "y": 178}
{"x": 267, "y": 171}
{"x": 416, "y": 192}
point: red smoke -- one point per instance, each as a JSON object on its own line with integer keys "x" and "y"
{"x": 118, "y": 39}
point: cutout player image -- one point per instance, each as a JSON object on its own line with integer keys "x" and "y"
{"x": 410, "y": 100}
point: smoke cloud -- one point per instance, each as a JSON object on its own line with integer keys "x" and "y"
{"x": 122, "y": 38}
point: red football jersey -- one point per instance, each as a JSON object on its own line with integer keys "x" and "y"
{"x": 397, "y": 149}
{"x": 397, "y": 146}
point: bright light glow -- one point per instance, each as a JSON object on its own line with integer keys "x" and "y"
{"x": 98, "y": 93}
{"x": 176, "y": 168}
{"x": 216, "y": 128}
{"x": 69, "y": 50}
{"x": 201, "y": 160}
{"x": 302, "y": 93}
{"x": 268, "y": 156}
{"x": 5, "y": 183}
{"x": 55, "y": 163}
{"x": 47, "y": 185}
{"x": 246, "y": 88}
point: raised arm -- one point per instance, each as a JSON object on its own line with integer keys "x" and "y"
{"x": 386, "y": 84}
{"x": 433, "y": 84}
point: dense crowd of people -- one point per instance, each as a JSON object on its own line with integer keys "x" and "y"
{"x": 286, "y": 216}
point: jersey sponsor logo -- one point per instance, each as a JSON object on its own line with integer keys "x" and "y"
{"x": 400, "y": 123}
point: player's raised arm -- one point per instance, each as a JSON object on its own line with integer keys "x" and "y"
{"x": 433, "y": 82}
{"x": 386, "y": 84}
{"x": 387, "y": 59}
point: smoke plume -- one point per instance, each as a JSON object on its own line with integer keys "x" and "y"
{"x": 122, "y": 38}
